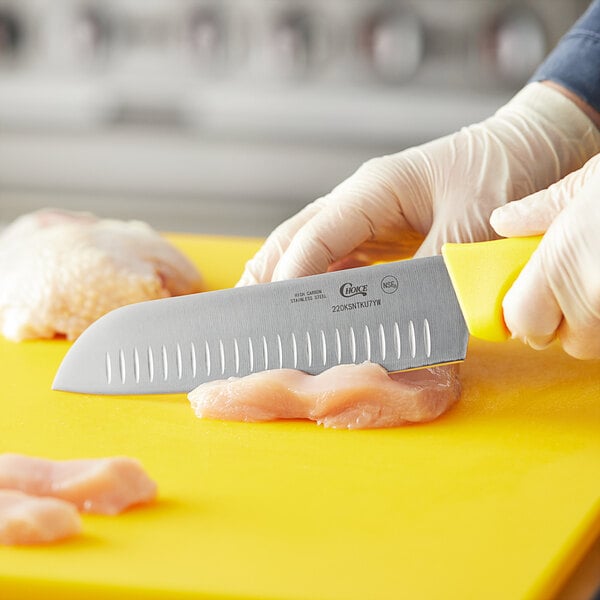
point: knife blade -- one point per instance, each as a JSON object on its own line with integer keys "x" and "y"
{"x": 401, "y": 315}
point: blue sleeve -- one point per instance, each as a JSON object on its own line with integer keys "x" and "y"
{"x": 575, "y": 62}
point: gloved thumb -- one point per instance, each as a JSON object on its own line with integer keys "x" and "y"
{"x": 556, "y": 294}
{"x": 533, "y": 214}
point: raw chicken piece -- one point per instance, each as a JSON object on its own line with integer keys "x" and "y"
{"x": 27, "y": 519}
{"x": 61, "y": 271}
{"x": 103, "y": 485}
{"x": 345, "y": 396}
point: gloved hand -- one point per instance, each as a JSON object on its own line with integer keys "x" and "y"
{"x": 558, "y": 292}
{"x": 444, "y": 190}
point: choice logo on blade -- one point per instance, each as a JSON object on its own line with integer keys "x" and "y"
{"x": 347, "y": 290}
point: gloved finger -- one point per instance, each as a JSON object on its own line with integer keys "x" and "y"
{"x": 579, "y": 336}
{"x": 531, "y": 311}
{"x": 329, "y": 236}
{"x": 398, "y": 245}
{"x": 259, "y": 269}
{"x": 445, "y": 229}
{"x": 558, "y": 292}
{"x": 432, "y": 244}
{"x": 348, "y": 262}
{"x": 533, "y": 214}
{"x": 328, "y": 229}
{"x": 360, "y": 209}
{"x": 574, "y": 271}
{"x": 441, "y": 232}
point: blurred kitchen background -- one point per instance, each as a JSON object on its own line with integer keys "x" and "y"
{"x": 228, "y": 116}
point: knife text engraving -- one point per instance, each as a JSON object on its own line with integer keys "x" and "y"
{"x": 354, "y": 305}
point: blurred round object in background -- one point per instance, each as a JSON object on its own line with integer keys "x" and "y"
{"x": 11, "y": 34}
{"x": 207, "y": 37}
{"x": 393, "y": 43}
{"x": 515, "y": 43}
{"x": 295, "y": 44}
{"x": 78, "y": 36}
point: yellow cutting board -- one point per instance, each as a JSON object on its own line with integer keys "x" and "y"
{"x": 497, "y": 499}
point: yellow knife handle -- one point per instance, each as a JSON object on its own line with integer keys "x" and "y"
{"x": 482, "y": 273}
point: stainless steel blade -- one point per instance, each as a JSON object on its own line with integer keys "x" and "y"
{"x": 401, "y": 315}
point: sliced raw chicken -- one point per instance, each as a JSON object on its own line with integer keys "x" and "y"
{"x": 96, "y": 485}
{"x": 61, "y": 271}
{"x": 28, "y": 519}
{"x": 345, "y": 396}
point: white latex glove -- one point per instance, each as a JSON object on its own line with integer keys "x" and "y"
{"x": 558, "y": 291}
{"x": 444, "y": 190}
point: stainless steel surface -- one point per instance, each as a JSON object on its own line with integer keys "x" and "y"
{"x": 228, "y": 116}
{"x": 401, "y": 315}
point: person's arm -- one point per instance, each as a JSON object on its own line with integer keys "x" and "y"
{"x": 573, "y": 67}
{"x": 592, "y": 113}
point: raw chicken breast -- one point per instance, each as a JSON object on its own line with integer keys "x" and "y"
{"x": 103, "y": 485}
{"x": 345, "y": 396}
{"x": 61, "y": 271}
{"x": 27, "y": 519}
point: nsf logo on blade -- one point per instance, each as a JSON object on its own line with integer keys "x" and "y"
{"x": 389, "y": 284}
{"x": 347, "y": 290}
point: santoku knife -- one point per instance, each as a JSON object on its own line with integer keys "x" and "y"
{"x": 402, "y": 315}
